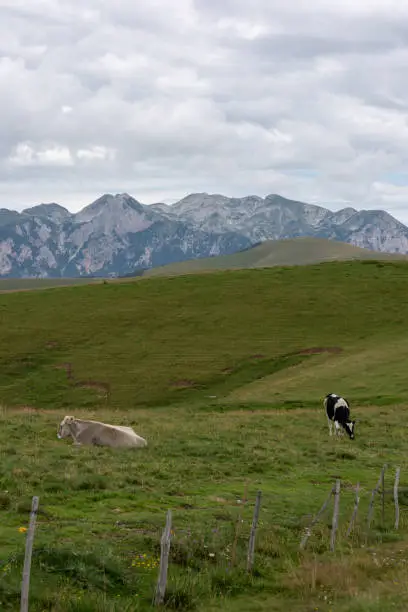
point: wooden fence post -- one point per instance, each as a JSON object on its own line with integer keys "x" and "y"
{"x": 353, "y": 516}
{"x": 373, "y": 494}
{"x": 397, "y": 477}
{"x": 164, "y": 562}
{"x": 25, "y": 584}
{"x": 382, "y": 497}
{"x": 251, "y": 545}
{"x": 238, "y": 527}
{"x": 335, "y": 515}
{"x": 314, "y": 521}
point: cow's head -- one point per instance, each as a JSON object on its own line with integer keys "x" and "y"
{"x": 64, "y": 429}
{"x": 349, "y": 427}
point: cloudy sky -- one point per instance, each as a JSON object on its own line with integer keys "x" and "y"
{"x": 160, "y": 98}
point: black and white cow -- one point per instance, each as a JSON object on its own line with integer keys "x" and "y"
{"x": 338, "y": 410}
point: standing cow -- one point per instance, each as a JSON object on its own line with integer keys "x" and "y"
{"x": 338, "y": 411}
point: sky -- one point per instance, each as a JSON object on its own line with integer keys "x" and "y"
{"x": 161, "y": 98}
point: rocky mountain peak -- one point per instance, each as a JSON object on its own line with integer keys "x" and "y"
{"x": 109, "y": 204}
{"x": 52, "y": 211}
{"x": 116, "y": 234}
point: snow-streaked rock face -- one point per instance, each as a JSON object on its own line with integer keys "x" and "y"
{"x": 275, "y": 217}
{"x": 54, "y": 212}
{"x": 116, "y": 234}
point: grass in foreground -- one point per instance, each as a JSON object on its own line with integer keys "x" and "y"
{"x": 165, "y": 346}
{"x": 102, "y": 512}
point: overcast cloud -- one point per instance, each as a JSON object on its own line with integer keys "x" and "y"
{"x": 161, "y": 98}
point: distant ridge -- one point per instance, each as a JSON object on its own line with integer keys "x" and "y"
{"x": 289, "y": 252}
{"x": 116, "y": 235}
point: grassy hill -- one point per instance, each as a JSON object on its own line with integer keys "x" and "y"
{"x": 291, "y": 252}
{"x": 26, "y": 284}
{"x": 224, "y": 375}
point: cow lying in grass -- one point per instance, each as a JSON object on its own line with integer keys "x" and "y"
{"x": 338, "y": 410}
{"x": 99, "y": 434}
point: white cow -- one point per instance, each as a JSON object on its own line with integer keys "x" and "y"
{"x": 338, "y": 411}
{"x": 99, "y": 434}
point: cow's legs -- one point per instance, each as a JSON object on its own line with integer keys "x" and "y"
{"x": 338, "y": 428}
{"x": 330, "y": 426}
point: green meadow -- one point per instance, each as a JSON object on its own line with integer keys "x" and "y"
{"x": 224, "y": 374}
{"x": 26, "y": 284}
{"x": 287, "y": 252}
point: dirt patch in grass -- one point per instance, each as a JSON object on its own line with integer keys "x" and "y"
{"x": 51, "y": 344}
{"x": 103, "y": 387}
{"x": 219, "y": 500}
{"x": 318, "y": 350}
{"x": 183, "y": 384}
{"x": 65, "y": 366}
{"x": 27, "y": 409}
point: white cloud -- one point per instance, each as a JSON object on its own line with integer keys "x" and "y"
{"x": 161, "y": 98}
{"x": 95, "y": 153}
{"x": 26, "y": 154}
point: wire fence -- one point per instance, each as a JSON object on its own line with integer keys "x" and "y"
{"x": 220, "y": 542}
{"x": 184, "y": 544}
{"x": 379, "y": 491}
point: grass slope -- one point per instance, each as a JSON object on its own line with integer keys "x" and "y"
{"x": 296, "y": 251}
{"x": 26, "y": 284}
{"x": 254, "y": 340}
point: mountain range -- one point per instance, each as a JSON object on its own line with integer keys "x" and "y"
{"x": 117, "y": 235}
